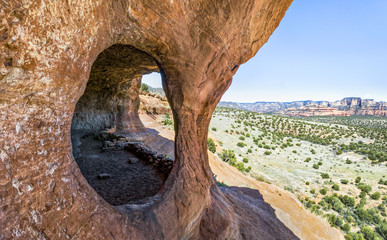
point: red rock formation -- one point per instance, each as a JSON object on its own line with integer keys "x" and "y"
{"x": 47, "y": 52}
{"x": 358, "y": 106}
{"x": 315, "y": 111}
{"x": 111, "y": 98}
{"x": 151, "y": 103}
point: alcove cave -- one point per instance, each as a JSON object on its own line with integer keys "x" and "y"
{"x": 198, "y": 46}
{"x": 105, "y": 125}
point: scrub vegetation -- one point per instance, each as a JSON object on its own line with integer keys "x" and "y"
{"x": 337, "y": 166}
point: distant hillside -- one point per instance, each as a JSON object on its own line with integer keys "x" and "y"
{"x": 345, "y": 107}
{"x": 159, "y": 91}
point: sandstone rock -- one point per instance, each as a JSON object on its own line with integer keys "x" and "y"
{"x": 78, "y": 64}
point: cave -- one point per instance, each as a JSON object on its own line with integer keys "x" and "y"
{"x": 57, "y": 75}
{"x": 106, "y": 118}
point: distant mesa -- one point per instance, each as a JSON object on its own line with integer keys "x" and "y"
{"x": 348, "y": 106}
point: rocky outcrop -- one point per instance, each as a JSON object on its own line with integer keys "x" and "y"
{"x": 152, "y": 103}
{"x": 315, "y": 111}
{"x": 345, "y": 107}
{"x": 358, "y": 106}
{"x": 50, "y": 50}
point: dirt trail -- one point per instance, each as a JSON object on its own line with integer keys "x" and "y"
{"x": 123, "y": 181}
{"x": 288, "y": 208}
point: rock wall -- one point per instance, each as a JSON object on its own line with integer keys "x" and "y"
{"x": 111, "y": 97}
{"x": 47, "y": 53}
{"x": 358, "y": 106}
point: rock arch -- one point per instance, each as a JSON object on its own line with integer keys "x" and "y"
{"x": 111, "y": 97}
{"x": 47, "y": 52}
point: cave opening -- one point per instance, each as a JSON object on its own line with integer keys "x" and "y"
{"x": 106, "y": 129}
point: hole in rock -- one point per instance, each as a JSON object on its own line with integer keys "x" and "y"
{"x": 107, "y": 132}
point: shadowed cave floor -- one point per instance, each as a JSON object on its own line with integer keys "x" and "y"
{"x": 129, "y": 182}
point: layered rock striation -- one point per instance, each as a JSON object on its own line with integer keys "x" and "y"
{"x": 345, "y": 107}
{"x": 314, "y": 111}
{"x": 78, "y": 64}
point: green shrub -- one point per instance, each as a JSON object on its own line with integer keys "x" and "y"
{"x": 382, "y": 230}
{"x": 368, "y": 233}
{"x": 167, "y": 120}
{"x": 144, "y": 88}
{"x": 335, "y": 187}
{"x": 346, "y": 227}
{"x": 214, "y": 129}
{"x": 240, "y": 144}
{"x": 364, "y": 187}
{"x": 228, "y": 156}
{"x": 242, "y": 138}
{"x": 315, "y": 166}
{"x": 366, "y": 216}
{"x": 344, "y": 181}
{"x": 267, "y": 152}
{"x": 363, "y": 194}
{"x": 372, "y": 157}
{"x": 307, "y": 159}
{"x": 325, "y": 175}
{"x": 347, "y": 200}
{"x": 382, "y": 182}
{"x": 348, "y": 161}
{"x": 375, "y": 196}
{"x": 323, "y": 191}
{"x": 211, "y": 145}
{"x": 334, "y": 221}
{"x": 313, "y": 191}
{"x": 354, "y": 236}
{"x": 358, "y": 179}
{"x": 240, "y": 166}
{"x": 245, "y": 160}
{"x": 249, "y": 150}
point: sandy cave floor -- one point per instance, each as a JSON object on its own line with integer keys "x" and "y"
{"x": 129, "y": 182}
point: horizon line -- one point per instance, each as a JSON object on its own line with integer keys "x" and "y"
{"x": 372, "y": 99}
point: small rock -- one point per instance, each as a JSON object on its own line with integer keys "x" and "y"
{"x": 104, "y": 176}
{"x": 133, "y": 160}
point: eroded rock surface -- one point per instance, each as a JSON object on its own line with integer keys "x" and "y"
{"x": 111, "y": 98}
{"x": 47, "y": 53}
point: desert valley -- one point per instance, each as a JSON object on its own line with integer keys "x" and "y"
{"x": 336, "y": 166}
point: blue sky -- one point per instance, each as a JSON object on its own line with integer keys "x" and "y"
{"x": 322, "y": 50}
